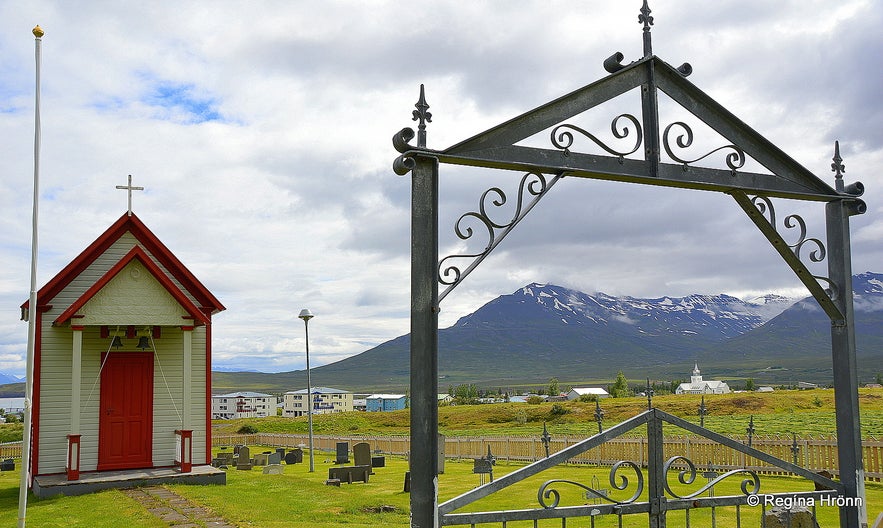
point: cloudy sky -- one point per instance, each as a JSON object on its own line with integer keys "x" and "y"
{"x": 261, "y": 132}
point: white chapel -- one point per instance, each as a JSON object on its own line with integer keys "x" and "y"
{"x": 698, "y": 386}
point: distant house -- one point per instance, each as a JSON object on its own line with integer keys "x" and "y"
{"x": 359, "y": 404}
{"x": 597, "y": 392}
{"x": 243, "y": 405}
{"x": 764, "y": 389}
{"x": 325, "y": 400}
{"x": 445, "y": 399}
{"x": 385, "y": 402}
{"x": 699, "y": 386}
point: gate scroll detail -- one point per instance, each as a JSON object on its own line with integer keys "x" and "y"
{"x": 631, "y": 491}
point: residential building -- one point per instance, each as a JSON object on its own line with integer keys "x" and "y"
{"x": 325, "y": 400}
{"x": 699, "y": 386}
{"x": 243, "y": 405}
{"x": 385, "y": 402}
{"x": 576, "y": 392}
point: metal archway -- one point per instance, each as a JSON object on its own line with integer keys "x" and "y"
{"x": 498, "y": 148}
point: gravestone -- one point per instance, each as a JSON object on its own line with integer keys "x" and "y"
{"x": 236, "y": 449}
{"x": 260, "y": 459}
{"x": 378, "y": 461}
{"x": 274, "y": 459}
{"x": 243, "y": 457}
{"x": 7, "y": 465}
{"x": 795, "y": 517}
{"x": 295, "y": 456}
{"x": 362, "y": 454}
{"x": 273, "y": 469}
{"x": 343, "y": 453}
{"x": 281, "y": 451}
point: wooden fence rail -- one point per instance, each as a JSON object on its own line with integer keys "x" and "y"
{"x": 815, "y": 454}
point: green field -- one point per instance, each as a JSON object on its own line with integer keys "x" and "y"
{"x": 300, "y": 499}
{"x": 804, "y": 413}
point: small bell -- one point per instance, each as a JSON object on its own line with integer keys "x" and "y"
{"x": 117, "y": 342}
{"x": 143, "y": 342}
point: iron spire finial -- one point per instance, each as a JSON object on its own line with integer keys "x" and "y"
{"x": 838, "y": 168}
{"x": 649, "y": 393}
{"x": 647, "y": 20}
{"x": 423, "y": 116}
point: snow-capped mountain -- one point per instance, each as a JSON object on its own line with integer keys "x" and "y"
{"x": 541, "y": 330}
{"x": 713, "y": 317}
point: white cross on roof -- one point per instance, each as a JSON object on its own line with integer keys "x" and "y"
{"x": 130, "y": 189}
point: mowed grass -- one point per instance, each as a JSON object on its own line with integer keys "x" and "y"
{"x": 299, "y": 499}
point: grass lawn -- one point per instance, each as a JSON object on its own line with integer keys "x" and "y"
{"x": 299, "y": 499}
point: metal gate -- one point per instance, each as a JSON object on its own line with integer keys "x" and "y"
{"x": 629, "y": 492}
{"x": 567, "y": 153}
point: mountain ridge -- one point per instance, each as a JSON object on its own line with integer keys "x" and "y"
{"x": 542, "y": 331}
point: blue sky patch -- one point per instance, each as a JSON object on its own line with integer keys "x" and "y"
{"x": 181, "y": 100}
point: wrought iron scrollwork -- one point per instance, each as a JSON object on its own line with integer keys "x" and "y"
{"x": 532, "y": 184}
{"x": 562, "y": 138}
{"x": 749, "y": 485}
{"x": 735, "y": 159}
{"x": 403, "y": 164}
{"x": 795, "y": 221}
{"x": 617, "y": 481}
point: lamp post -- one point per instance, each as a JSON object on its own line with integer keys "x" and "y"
{"x": 306, "y": 315}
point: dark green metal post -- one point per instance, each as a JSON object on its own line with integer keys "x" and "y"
{"x": 849, "y": 442}
{"x": 424, "y": 343}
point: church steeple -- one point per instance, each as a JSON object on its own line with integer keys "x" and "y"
{"x": 696, "y": 378}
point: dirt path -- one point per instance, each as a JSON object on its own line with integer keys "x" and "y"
{"x": 175, "y": 509}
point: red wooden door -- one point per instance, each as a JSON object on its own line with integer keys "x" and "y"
{"x": 125, "y": 424}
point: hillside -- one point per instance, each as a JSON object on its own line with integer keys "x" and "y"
{"x": 544, "y": 331}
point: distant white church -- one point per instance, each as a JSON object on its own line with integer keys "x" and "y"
{"x": 698, "y": 386}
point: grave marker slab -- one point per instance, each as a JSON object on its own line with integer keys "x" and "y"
{"x": 273, "y": 469}
{"x": 362, "y": 454}
{"x": 343, "y": 453}
{"x": 295, "y": 456}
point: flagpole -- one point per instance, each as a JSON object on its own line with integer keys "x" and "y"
{"x": 32, "y": 300}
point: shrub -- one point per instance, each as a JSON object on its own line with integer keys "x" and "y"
{"x": 247, "y": 429}
{"x": 558, "y": 410}
{"x": 535, "y": 400}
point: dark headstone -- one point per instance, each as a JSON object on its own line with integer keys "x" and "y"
{"x": 378, "y": 461}
{"x": 362, "y": 454}
{"x": 236, "y": 449}
{"x": 343, "y": 453}
{"x": 407, "y": 488}
{"x": 281, "y": 451}
{"x": 482, "y": 466}
{"x": 274, "y": 459}
{"x": 7, "y": 465}
{"x": 295, "y": 456}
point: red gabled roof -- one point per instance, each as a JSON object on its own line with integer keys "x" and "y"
{"x": 151, "y": 243}
{"x": 136, "y": 253}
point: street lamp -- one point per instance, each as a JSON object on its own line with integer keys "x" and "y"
{"x": 306, "y": 315}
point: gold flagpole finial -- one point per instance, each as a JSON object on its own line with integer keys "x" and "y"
{"x": 38, "y": 31}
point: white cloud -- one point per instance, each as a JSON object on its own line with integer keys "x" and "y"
{"x": 261, "y": 133}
